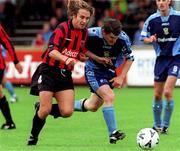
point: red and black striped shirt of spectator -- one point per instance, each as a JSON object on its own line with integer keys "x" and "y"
{"x": 68, "y": 41}
{"x": 7, "y": 44}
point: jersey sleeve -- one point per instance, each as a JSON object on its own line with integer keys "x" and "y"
{"x": 145, "y": 32}
{"x": 7, "y": 44}
{"x": 126, "y": 49}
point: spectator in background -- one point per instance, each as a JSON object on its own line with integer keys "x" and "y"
{"x": 60, "y": 15}
{"x": 9, "y": 12}
{"x": 116, "y": 12}
{"x": 46, "y": 32}
{"x": 137, "y": 35}
{"x": 123, "y": 6}
{"x": 38, "y": 41}
{"x": 53, "y": 22}
{"x": 2, "y": 15}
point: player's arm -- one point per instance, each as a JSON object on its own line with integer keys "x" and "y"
{"x": 129, "y": 58}
{"x": 55, "y": 43}
{"x": 101, "y": 60}
{"x": 7, "y": 44}
{"x": 150, "y": 39}
{"x": 146, "y": 37}
{"x": 117, "y": 82}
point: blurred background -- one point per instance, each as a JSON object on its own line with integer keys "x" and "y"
{"x": 30, "y": 24}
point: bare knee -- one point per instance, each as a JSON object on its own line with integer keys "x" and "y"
{"x": 66, "y": 113}
{"x": 109, "y": 98}
{"x": 158, "y": 96}
{"x": 44, "y": 112}
{"x": 168, "y": 94}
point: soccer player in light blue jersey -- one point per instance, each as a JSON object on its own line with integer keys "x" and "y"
{"x": 112, "y": 43}
{"x": 162, "y": 29}
{"x": 7, "y": 84}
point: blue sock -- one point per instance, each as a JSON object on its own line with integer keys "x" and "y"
{"x": 109, "y": 116}
{"x": 9, "y": 87}
{"x": 77, "y": 106}
{"x": 168, "y": 109}
{"x": 157, "y": 110}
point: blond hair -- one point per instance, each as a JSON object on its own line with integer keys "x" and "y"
{"x": 74, "y": 6}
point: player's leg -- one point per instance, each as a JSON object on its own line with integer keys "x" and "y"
{"x": 160, "y": 76}
{"x": 91, "y": 104}
{"x": 8, "y": 85}
{"x": 169, "y": 102}
{"x": 65, "y": 101}
{"x": 40, "y": 116}
{"x": 108, "y": 97}
{"x": 157, "y": 105}
{"x": 4, "y": 107}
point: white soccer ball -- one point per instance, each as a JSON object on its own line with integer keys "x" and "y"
{"x": 147, "y": 138}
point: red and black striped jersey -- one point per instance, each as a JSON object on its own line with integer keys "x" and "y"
{"x": 68, "y": 41}
{"x": 7, "y": 44}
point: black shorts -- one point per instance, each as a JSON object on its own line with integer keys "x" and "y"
{"x": 1, "y": 76}
{"x": 52, "y": 79}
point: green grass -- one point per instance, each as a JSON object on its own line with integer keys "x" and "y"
{"x": 87, "y": 131}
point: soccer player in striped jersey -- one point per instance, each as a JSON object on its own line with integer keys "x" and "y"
{"x": 4, "y": 106}
{"x": 162, "y": 29}
{"x": 53, "y": 77}
{"x": 111, "y": 42}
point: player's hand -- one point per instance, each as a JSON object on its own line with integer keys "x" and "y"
{"x": 70, "y": 62}
{"x": 19, "y": 67}
{"x": 82, "y": 57}
{"x": 153, "y": 38}
{"x": 117, "y": 82}
{"x": 105, "y": 61}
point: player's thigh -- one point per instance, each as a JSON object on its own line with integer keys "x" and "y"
{"x": 106, "y": 93}
{"x": 170, "y": 83}
{"x": 158, "y": 90}
{"x": 65, "y": 101}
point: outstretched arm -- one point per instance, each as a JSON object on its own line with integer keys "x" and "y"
{"x": 117, "y": 82}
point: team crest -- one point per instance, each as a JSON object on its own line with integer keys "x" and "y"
{"x": 106, "y": 54}
{"x": 166, "y": 31}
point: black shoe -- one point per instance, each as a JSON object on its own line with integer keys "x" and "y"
{"x": 8, "y": 126}
{"x": 157, "y": 129}
{"x": 36, "y": 106}
{"x": 32, "y": 140}
{"x": 164, "y": 130}
{"x": 115, "y": 136}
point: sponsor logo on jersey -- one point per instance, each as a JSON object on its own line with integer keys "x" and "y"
{"x": 166, "y": 39}
{"x": 70, "y": 53}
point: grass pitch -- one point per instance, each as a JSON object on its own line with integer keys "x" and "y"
{"x": 87, "y": 131}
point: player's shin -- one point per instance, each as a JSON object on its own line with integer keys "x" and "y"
{"x": 157, "y": 110}
{"x": 168, "y": 109}
{"x": 79, "y": 105}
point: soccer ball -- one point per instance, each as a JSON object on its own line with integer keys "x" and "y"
{"x": 147, "y": 138}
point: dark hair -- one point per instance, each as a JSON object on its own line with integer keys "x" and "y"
{"x": 75, "y": 5}
{"x": 111, "y": 25}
